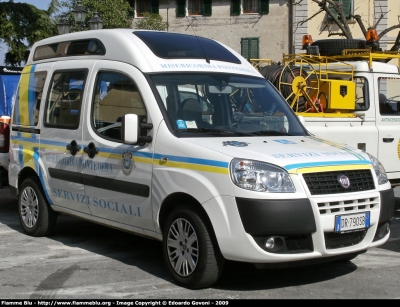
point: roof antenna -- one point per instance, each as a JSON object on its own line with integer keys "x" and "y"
{"x": 190, "y": 25}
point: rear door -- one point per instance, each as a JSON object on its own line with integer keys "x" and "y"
{"x": 61, "y": 137}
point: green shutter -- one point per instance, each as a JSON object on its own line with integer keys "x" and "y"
{"x": 264, "y": 7}
{"x": 347, "y": 9}
{"x": 131, "y": 12}
{"x": 207, "y": 7}
{"x": 235, "y": 7}
{"x": 180, "y": 8}
{"x": 254, "y": 49}
{"x": 154, "y": 7}
{"x": 250, "y": 48}
{"x": 245, "y": 48}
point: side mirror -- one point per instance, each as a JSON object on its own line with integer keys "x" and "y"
{"x": 131, "y": 130}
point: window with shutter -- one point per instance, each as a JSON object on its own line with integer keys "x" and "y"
{"x": 250, "y": 6}
{"x": 180, "y": 8}
{"x": 199, "y": 7}
{"x": 143, "y": 6}
{"x": 235, "y": 7}
{"x": 195, "y": 7}
{"x": 250, "y": 47}
{"x": 347, "y": 9}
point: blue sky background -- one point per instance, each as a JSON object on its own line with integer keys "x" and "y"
{"x": 40, "y": 4}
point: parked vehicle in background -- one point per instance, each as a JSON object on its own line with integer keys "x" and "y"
{"x": 346, "y": 93}
{"x": 9, "y": 78}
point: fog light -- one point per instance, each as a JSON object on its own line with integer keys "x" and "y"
{"x": 270, "y": 244}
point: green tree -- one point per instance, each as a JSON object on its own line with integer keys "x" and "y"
{"x": 151, "y": 21}
{"x": 21, "y": 25}
{"x": 114, "y": 13}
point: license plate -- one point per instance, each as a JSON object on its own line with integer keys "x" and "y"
{"x": 352, "y": 222}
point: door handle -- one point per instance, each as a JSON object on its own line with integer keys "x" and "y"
{"x": 388, "y": 140}
{"x": 91, "y": 150}
{"x": 73, "y": 147}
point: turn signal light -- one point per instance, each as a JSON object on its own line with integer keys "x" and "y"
{"x": 372, "y": 36}
{"x": 307, "y": 41}
{"x": 4, "y": 137}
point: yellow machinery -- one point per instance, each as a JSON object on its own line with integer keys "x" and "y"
{"x": 316, "y": 85}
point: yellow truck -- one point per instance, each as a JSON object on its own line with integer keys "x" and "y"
{"x": 351, "y": 98}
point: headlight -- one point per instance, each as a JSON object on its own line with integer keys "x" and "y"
{"x": 260, "y": 176}
{"x": 379, "y": 170}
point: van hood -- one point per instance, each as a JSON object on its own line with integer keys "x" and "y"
{"x": 291, "y": 153}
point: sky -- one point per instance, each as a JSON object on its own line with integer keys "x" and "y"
{"x": 40, "y": 4}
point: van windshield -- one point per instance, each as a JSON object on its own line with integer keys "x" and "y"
{"x": 225, "y": 104}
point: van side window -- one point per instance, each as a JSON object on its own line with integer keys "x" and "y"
{"x": 63, "y": 105}
{"x": 115, "y": 95}
{"x": 27, "y": 103}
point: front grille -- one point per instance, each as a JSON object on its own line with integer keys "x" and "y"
{"x": 348, "y": 206}
{"x": 337, "y": 240}
{"x": 327, "y": 182}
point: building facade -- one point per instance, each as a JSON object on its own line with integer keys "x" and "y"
{"x": 267, "y": 29}
{"x": 254, "y": 28}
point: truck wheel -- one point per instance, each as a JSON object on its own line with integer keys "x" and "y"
{"x": 331, "y": 47}
{"x": 191, "y": 254}
{"x": 36, "y": 216}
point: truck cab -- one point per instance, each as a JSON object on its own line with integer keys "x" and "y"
{"x": 352, "y": 97}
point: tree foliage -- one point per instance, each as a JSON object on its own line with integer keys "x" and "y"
{"x": 21, "y": 25}
{"x": 114, "y": 13}
{"x": 151, "y": 21}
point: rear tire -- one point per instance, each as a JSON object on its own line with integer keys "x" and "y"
{"x": 190, "y": 251}
{"x": 36, "y": 216}
{"x": 331, "y": 47}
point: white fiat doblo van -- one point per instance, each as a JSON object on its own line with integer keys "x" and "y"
{"x": 178, "y": 138}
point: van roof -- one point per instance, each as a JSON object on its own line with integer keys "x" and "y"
{"x": 148, "y": 50}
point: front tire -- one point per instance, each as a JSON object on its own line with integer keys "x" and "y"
{"x": 190, "y": 251}
{"x": 36, "y": 216}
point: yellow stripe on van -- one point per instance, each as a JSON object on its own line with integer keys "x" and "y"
{"x": 191, "y": 166}
{"x": 329, "y": 168}
{"x": 23, "y": 105}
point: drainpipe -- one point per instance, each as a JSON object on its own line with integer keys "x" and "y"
{"x": 290, "y": 26}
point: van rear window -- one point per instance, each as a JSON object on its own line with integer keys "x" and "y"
{"x": 178, "y": 46}
{"x": 70, "y": 48}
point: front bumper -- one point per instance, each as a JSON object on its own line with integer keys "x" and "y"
{"x": 242, "y": 226}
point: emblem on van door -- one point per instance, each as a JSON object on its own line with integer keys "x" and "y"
{"x": 127, "y": 162}
{"x": 344, "y": 181}
{"x": 235, "y": 143}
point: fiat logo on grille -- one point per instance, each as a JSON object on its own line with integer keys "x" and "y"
{"x": 343, "y": 180}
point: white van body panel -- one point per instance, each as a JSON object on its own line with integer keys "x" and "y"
{"x": 250, "y": 172}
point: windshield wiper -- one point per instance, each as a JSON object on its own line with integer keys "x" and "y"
{"x": 207, "y": 130}
{"x": 270, "y": 132}
{"x": 217, "y": 131}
